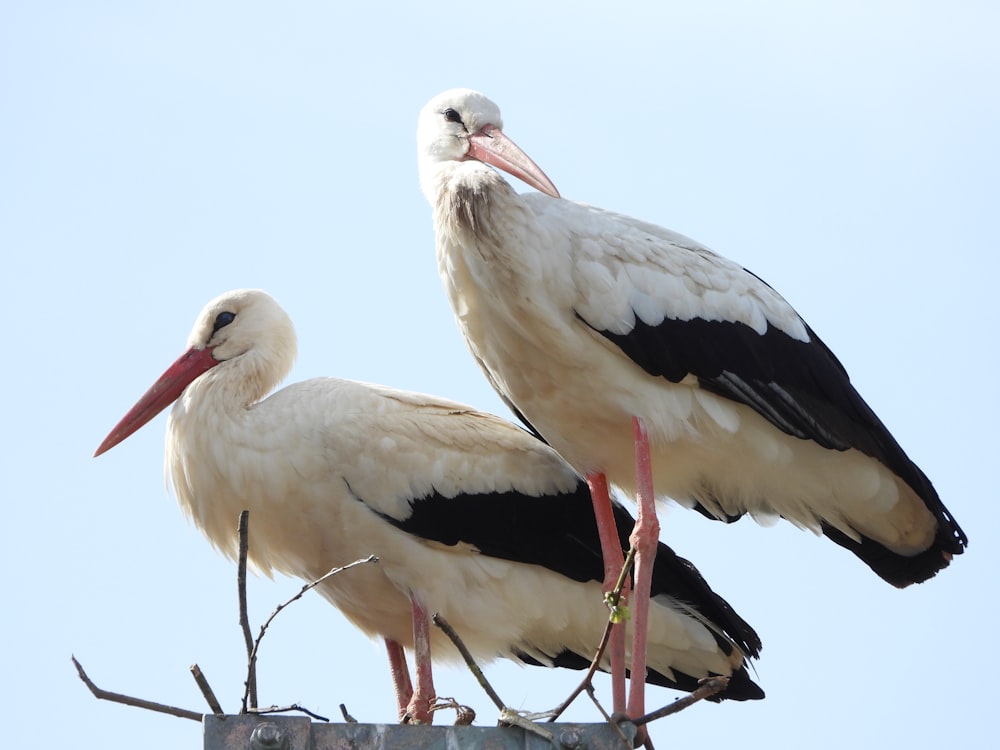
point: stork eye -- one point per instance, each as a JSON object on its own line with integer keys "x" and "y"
{"x": 222, "y": 320}
{"x": 452, "y": 116}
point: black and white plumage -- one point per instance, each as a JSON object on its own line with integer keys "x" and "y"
{"x": 583, "y": 319}
{"x": 647, "y": 360}
{"x": 469, "y": 515}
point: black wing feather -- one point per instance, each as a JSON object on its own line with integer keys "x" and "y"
{"x": 559, "y": 532}
{"x": 802, "y": 389}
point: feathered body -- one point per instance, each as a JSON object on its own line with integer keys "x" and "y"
{"x": 470, "y": 515}
{"x": 583, "y": 318}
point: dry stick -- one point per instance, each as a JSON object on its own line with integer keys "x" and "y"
{"x": 130, "y": 701}
{"x": 613, "y": 598}
{"x": 589, "y": 688}
{"x": 283, "y": 709}
{"x": 507, "y": 715}
{"x": 592, "y": 694}
{"x": 347, "y": 717}
{"x": 469, "y": 661}
{"x": 252, "y": 659}
{"x": 708, "y": 687}
{"x": 615, "y": 724}
{"x": 243, "y": 530}
{"x": 206, "y": 690}
{"x": 587, "y": 683}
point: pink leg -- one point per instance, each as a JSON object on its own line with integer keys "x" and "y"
{"x": 419, "y": 709}
{"x": 400, "y": 675}
{"x": 611, "y": 550}
{"x": 645, "y": 537}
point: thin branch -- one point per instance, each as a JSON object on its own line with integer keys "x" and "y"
{"x": 587, "y": 682}
{"x": 130, "y": 701}
{"x": 206, "y": 690}
{"x": 612, "y": 598}
{"x": 469, "y": 661}
{"x": 592, "y": 694}
{"x": 253, "y": 646}
{"x": 252, "y": 659}
{"x": 610, "y": 719}
{"x": 508, "y": 715}
{"x": 285, "y": 709}
{"x": 707, "y": 688}
{"x": 347, "y": 717}
{"x": 243, "y": 530}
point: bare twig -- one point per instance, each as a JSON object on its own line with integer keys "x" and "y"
{"x": 508, "y": 715}
{"x": 612, "y": 598}
{"x": 243, "y": 530}
{"x": 206, "y": 690}
{"x": 130, "y": 701}
{"x": 608, "y": 718}
{"x": 285, "y": 709}
{"x": 252, "y": 658}
{"x": 707, "y": 688}
{"x": 592, "y": 694}
{"x": 347, "y": 717}
{"x": 253, "y": 646}
{"x": 469, "y": 661}
{"x": 587, "y": 682}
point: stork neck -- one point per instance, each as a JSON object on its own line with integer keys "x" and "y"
{"x": 475, "y": 207}
{"x": 214, "y": 460}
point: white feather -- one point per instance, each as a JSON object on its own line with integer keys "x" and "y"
{"x": 315, "y": 460}
{"x": 581, "y": 391}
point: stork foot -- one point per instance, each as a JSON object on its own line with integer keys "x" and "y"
{"x": 464, "y": 715}
{"x": 419, "y": 711}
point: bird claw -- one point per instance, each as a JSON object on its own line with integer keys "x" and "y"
{"x": 464, "y": 715}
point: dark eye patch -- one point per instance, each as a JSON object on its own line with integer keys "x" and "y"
{"x": 222, "y": 320}
{"x": 452, "y": 116}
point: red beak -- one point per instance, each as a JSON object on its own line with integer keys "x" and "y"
{"x": 162, "y": 393}
{"x": 492, "y": 147}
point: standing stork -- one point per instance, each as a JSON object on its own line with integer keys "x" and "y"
{"x": 646, "y": 360}
{"x": 469, "y": 515}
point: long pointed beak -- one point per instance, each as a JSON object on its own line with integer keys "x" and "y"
{"x": 161, "y": 394}
{"x": 490, "y": 146}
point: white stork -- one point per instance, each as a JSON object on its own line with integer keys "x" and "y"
{"x": 469, "y": 515}
{"x": 643, "y": 357}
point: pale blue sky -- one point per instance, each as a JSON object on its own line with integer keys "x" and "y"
{"x": 154, "y": 155}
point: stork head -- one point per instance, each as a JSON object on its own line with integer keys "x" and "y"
{"x": 243, "y": 333}
{"x": 462, "y": 125}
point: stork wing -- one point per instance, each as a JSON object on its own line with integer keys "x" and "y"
{"x": 509, "y": 496}
{"x": 681, "y": 312}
